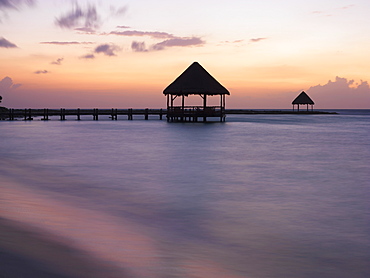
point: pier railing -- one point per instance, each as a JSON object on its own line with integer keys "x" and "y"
{"x": 192, "y": 113}
{"x": 200, "y": 111}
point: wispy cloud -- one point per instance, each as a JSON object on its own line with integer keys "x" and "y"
{"x": 236, "y": 42}
{"x": 66, "y": 43}
{"x": 192, "y": 41}
{"x": 170, "y": 40}
{"x": 41, "y": 72}
{"x": 138, "y": 46}
{"x": 123, "y": 27}
{"x": 88, "y": 56}
{"x": 79, "y": 17}
{"x": 6, "y": 44}
{"x": 348, "y": 7}
{"x": 86, "y": 30}
{"x": 118, "y": 11}
{"x": 14, "y": 4}
{"x": 57, "y": 62}
{"x": 134, "y": 33}
{"x": 8, "y": 5}
{"x": 107, "y": 49}
{"x": 332, "y": 11}
{"x": 6, "y": 85}
{"x": 257, "y": 39}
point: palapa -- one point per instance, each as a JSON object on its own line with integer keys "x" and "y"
{"x": 195, "y": 80}
{"x": 303, "y": 99}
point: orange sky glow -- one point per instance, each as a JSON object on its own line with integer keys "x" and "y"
{"x": 123, "y": 54}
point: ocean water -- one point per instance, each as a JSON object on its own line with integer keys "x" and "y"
{"x": 258, "y": 196}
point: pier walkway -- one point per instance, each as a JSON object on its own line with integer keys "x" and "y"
{"x": 115, "y": 114}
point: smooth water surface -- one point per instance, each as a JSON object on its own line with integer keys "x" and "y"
{"x": 258, "y": 196}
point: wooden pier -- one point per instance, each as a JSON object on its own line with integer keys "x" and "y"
{"x": 189, "y": 114}
{"x": 46, "y": 114}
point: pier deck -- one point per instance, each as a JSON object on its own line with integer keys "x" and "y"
{"x": 115, "y": 114}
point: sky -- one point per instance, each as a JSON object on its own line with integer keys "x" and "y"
{"x": 123, "y": 54}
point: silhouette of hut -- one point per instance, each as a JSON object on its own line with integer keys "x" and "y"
{"x": 195, "y": 80}
{"x": 303, "y": 99}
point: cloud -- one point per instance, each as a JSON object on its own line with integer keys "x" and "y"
{"x": 66, "y": 43}
{"x": 347, "y": 7}
{"x": 57, "y": 62}
{"x": 170, "y": 40}
{"x": 41, "y": 72}
{"x": 123, "y": 27}
{"x": 87, "y": 56}
{"x": 86, "y": 30}
{"x": 7, "y": 5}
{"x": 6, "y": 44}
{"x": 134, "y": 33}
{"x": 107, "y": 49}
{"x": 193, "y": 41}
{"x": 14, "y": 4}
{"x": 257, "y": 39}
{"x": 347, "y": 92}
{"x": 79, "y": 17}
{"x": 6, "y": 85}
{"x": 118, "y": 11}
{"x": 138, "y": 46}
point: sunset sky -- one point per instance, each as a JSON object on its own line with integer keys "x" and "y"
{"x": 104, "y": 54}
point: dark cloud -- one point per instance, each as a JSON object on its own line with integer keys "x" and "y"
{"x": 88, "y": 56}
{"x": 138, "y": 46}
{"x": 107, "y": 49}
{"x": 57, "y": 62}
{"x": 79, "y": 18}
{"x": 6, "y": 44}
{"x": 134, "y": 33}
{"x": 353, "y": 94}
{"x": 193, "y": 41}
{"x": 41, "y": 72}
{"x": 6, "y": 85}
{"x": 257, "y": 39}
{"x": 66, "y": 43}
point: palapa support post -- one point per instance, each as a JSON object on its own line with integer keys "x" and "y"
{"x": 46, "y": 114}
{"x": 11, "y": 114}
{"x": 114, "y": 114}
{"x": 28, "y": 114}
{"x": 146, "y": 114}
{"x": 204, "y": 107}
{"x": 62, "y": 114}
{"x": 95, "y": 114}
{"x": 160, "y": 114}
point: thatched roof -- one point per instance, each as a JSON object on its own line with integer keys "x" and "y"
{"x": 195, "y": 80}
{"x": 303, "y": 98}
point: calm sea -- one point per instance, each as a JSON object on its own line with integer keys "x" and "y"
{"x": 258, "y": 196}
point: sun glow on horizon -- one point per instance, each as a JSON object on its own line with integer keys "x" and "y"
{"x": 132, "y": 50}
